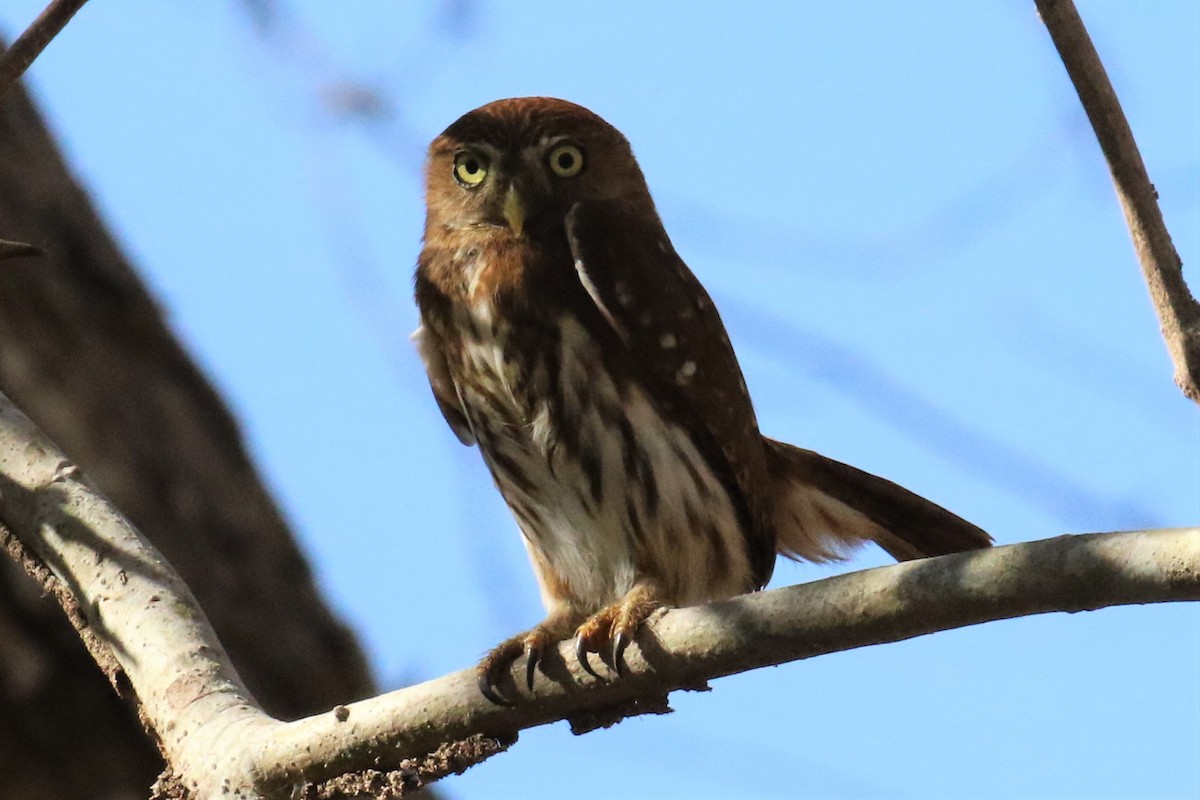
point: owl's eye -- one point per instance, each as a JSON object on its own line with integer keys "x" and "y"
{"x": 566, "y": 161}
{"x": 470, "y": 168}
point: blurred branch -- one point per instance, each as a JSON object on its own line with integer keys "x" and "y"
{"x": 1178, "y": 311}
{"x": 33, "y": 41}
{"x": 909, "y": 412}
{"x": 149, "y": 630}
{"x": 957, "y": 220}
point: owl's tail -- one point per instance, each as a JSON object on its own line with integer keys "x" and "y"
{"x": 824, "y": 509}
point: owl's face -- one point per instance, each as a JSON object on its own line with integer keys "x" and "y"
{"x": 514, "y": 168}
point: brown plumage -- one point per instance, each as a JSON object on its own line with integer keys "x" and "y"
{"x": 564, "y": 336}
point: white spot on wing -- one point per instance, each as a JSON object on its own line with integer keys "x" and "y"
{"x": 685, "y": 373}
{"x": 624, "y": 296}
{"x": 667, "y": 341}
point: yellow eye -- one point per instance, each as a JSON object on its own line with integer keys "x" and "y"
{"x": 566, "y": 161}
{"x": 470, "y": 168}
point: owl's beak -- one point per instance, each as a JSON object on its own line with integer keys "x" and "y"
{"x": 514, "y": 210}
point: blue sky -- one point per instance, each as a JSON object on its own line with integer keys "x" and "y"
{"x": 912, "y": 236}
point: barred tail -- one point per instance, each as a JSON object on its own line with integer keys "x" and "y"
{"x": 824, "y": 509}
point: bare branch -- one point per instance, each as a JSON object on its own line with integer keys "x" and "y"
{"x": 33, "y": 41}
{"x": 214, "y": 735}
{"x": 1178, "y": 311}
{"x": 684, "y": 648}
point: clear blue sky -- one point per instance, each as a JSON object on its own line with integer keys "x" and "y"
{"x": 905, "y": 219}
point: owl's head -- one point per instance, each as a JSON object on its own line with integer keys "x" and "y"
{"x": 516, "y": 167}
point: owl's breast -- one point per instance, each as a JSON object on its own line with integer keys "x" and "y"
{"x": 606, "y": 488}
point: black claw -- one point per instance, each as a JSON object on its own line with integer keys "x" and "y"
{"x": 533, "y": 657}
{"x": 620, "y": 644}
{"x": 490, "y": 692}
{"x": 581, "y": 654}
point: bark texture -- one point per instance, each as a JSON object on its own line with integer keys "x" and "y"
{"x": 84, "y": 351}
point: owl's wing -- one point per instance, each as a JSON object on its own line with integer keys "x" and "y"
{"x": 671, "y": 329}
{"x": 444, "y": 389}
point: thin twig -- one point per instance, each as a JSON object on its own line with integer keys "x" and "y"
{"x": 33, "y": 41}
{"x": 1178, "y": 311}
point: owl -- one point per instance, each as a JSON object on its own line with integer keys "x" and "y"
{"x": 565, "y": 338}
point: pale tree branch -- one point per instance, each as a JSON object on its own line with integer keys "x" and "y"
{"x": 217, "y": 740}
{"x": 136, "y": 612}
{"x": 1178, "y": 311}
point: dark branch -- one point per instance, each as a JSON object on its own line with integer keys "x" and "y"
{"x": 34, "y": 40}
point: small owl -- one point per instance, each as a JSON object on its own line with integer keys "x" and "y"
{"x": 565, "y": 338}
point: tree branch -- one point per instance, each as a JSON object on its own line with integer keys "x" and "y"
{"x": 684, "y": 648}
{"x": 1178, "y": 311}
{"x": 33, "y": 41}
{"x": 217, "y": 740}
{"x": 132, "y": 601}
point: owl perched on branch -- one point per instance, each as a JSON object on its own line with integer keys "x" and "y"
{"x": 566, "y": 339}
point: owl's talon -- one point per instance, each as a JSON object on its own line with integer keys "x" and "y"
{"x": 620, "y": 644}
{"x": 533, "y": 657}
{"x": 533, "y": 644}
{"x": 488, "y": 690}
{"x": 495, "y": 665}
{"x": 581, "y": 655}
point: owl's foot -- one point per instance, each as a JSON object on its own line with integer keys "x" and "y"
{"x": 607, "y": 632}
{"x": 612, "y": 628}
{"x": 532, "y": 644}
